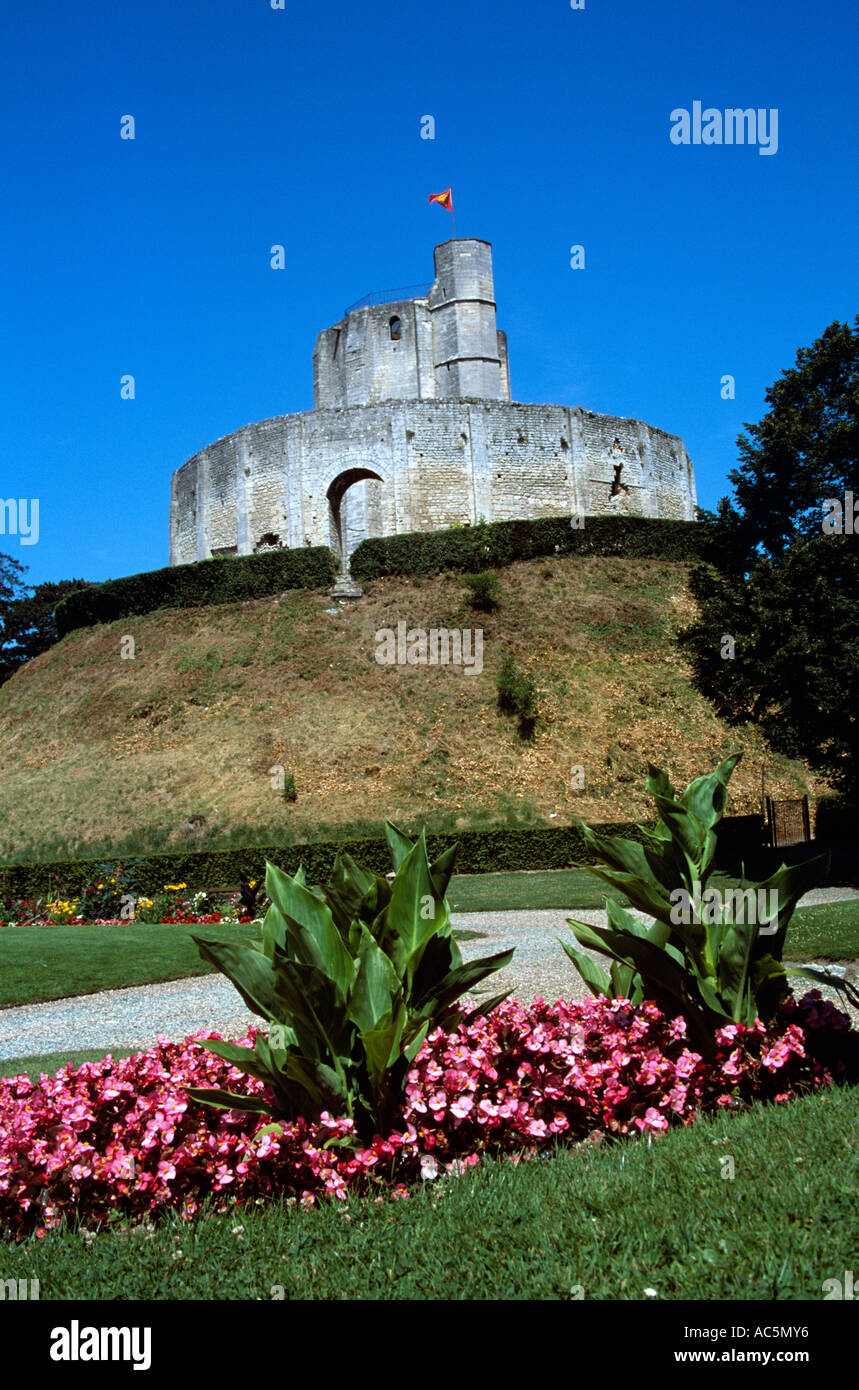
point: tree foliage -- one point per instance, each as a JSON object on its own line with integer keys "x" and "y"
{"x": 27, "y": 622}
{"x": 786, "y": 592}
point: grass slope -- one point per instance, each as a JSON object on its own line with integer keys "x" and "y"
{"x": 104, "y": 755}
{"x": 610, "y": 1221}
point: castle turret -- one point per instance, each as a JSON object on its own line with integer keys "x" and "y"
{"x": 469, "y": 354}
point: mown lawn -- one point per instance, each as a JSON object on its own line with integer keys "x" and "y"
{"x": 564, "y": 888}
{"x": 38, "y": 963}
{"x": 607, "y": 1222}
{"x": 50, "y": 1062}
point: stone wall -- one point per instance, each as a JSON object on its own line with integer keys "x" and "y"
{"x": 432, "y": 463}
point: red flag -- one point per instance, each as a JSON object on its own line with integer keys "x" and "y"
{"x": 445, "y": 199}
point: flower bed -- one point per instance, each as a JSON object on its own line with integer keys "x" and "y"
{"x": 123, "y": 1137}
{"x": 100, "y": 908}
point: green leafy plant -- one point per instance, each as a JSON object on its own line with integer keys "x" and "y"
{"x": 712, "y": 969}
{"x": 351, "y": 978}
{"x": 289, "y": 792}
{"x": 484, "y": 591}
{"x": 517, "y": 694}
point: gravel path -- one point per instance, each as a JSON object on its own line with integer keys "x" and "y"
{"x": 132, "y": 1018}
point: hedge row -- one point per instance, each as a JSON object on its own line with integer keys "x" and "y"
{"x": 231, "y": 578}
{"x": 501, "y": 542}
{"x": 224, "y": 579}
{"x": 480, "y": 851}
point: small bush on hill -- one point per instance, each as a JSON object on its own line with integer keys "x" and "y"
{"x": 517, "y": 694}
{"x": 484, "y": 591}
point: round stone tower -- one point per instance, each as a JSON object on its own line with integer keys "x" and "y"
{"x": 469, "y": 357}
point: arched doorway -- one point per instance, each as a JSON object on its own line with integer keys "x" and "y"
{"x": 355, "y": 511}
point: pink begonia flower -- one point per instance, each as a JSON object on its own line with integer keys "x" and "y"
{"x": 733, "y": 1067}
{"x": 652, "y": 1120}
{"x": 582, "y": 1062}
{"x": 727, "y": 1034}
{"x": 687, "y": 1062}
{"x": 462, "y": 1106}
{"x": 429, "y": 1167}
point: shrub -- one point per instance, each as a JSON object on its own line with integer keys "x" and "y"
{"x": 226, "y": 579}
{"x": 484, "y": 591}
{"x": 479, "y": 851}
{"x": 695, "y": 957}
{"x": 289, "y": 792}
{"x": 517, "y": 694}
{"x": 352, "y": 976}
{"x": 503, "y": 542}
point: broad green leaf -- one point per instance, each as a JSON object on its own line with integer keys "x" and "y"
{"x": 376, "y": 987}
{"x": 226, "y": 1100}
{"x": 791, "y": 884}
{"x": 652, "y": 961}
{"x": 273, "y": 932}
{"x": 596, "y": 979}
{"x": 459, "y": 982}
{"x": 686, "y": 830}
{"x": 313, "y": 1000}
{"x": 706, "y": 796}
{"x": 327, "y": 1087}
{"x": 416, "y": 1043}
{"x": 399, "y": 844}
{"x": 347, "y": 889}
{"x": 441, "y": 955}
{"x": 734, "y": 960}
{"x": 249, "y": 970}
{"x": 441, "y": 870}
{"x": 382, "y": 1043}
{"x": 413, "y": 915}
{"x": 658, "y": 783}
{"x": 820, "y": 975}
{"x": 313, "y": 937}
{"x": 247, "y": 1059}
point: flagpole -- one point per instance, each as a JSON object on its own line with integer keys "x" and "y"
{"x": 453, "y": 217}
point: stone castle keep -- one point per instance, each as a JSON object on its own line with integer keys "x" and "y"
{"x": 414, "y": 429}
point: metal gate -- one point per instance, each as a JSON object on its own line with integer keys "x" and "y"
{"x": 788, "y": 822}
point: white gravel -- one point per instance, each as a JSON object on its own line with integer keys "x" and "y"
{"x": 124, "y": 1019}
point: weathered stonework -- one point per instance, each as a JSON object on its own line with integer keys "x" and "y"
{"x": 414, "y": 429}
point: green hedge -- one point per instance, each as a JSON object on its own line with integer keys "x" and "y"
{"x": 224, "y": 579}
{"x": 502, "y": 542}
{"x": 480, "y": 852}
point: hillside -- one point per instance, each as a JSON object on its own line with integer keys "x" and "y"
{"x": 172, "y": 748}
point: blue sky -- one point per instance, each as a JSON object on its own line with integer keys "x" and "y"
{"x": 301, "y": 127}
